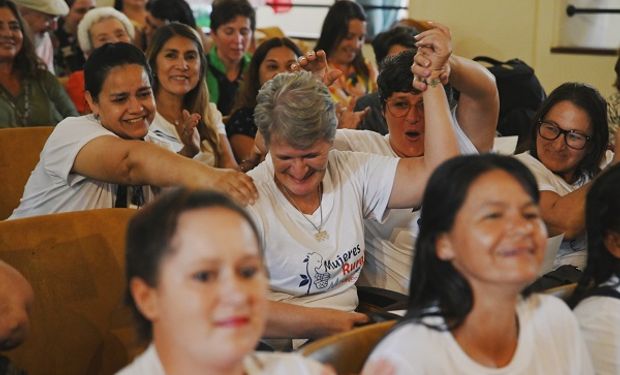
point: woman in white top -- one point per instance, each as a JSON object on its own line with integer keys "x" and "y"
{"x": 481, "y": 242}
{"x": 178, "y": 61}
{"x": 598, "y": 292}
{"x": 199, "y": 295}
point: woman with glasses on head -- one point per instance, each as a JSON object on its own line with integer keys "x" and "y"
{"x": 569, "y": 140}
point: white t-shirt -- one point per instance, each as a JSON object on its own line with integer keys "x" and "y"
{"x": 257, "y": 363}
{"x": 164, "y": 133}
{"x": 389, "y": 242}
{"x": 599, "y": 319}
{"x": 573, "y": 251}
{"x": 549, "y": 343}
{"x": 307, "y": 272}
{"x": 44, "y": 48}
{"x": 52, "y": 187}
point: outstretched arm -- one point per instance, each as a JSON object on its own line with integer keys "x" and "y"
{"x": 478, "y": 105}
{"x": 141, "y": 163}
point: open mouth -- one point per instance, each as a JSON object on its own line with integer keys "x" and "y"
{"x": 135, "y": 120}
{"x": 413, "y": 134}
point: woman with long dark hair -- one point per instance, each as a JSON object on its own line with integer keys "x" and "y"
{"x": 598, "y": 293}
{"x": 342, "y": 37}
{"x": 29, "y": 94}
{"x": 481, "y": 242}
{"x": 179, "y": 64}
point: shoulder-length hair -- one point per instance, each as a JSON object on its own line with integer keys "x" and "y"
{"x": 336, "y": 27}
{"x": 436, "y": 287}
{"x": 197, "y": 99}
{"x": 590, "y": 100}
{"x": 602, "y": 218}
{"x": 246, "y": 96}
{"x": 26, "y": 63}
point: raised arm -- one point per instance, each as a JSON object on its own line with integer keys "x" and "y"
{"x": 291, "y": 321}
{"x": 140, "y": 163}
{"x": 439, "y": 140}
{"x": 478, "y": 104}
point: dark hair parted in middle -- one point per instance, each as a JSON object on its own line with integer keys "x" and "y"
{"x": 395, "y": 76}
{"x": 172, "y": 10}
{"x": 224, "y": 11}
{"x": 602, "y": 218}
{"x": 246, "y": 97}
{"x": 336, "y": 27}
{"x": 594, "y": 105}
{"x": 399, "y": 35}
{"x": 436, "y": 287}
{"x": 149, "y": 239}
{"x": 107, "y": 57}
{"x": 197, "y": 99}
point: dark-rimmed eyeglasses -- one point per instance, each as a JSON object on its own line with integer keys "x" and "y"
{"x": 573, "y": 139}
{"x": 400, "y": 108}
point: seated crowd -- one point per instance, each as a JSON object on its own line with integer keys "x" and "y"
{"x": 314, "y": 175}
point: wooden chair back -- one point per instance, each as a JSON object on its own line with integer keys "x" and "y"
{"x": 75, "y": 264}
{"x": 19, "y": 154}
{"x": 346, "y": 352}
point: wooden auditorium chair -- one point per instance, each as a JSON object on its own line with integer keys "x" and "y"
{"x": 19, "y": 154}
{"x": 75, "y": 264}
{"x": 346, "y": 352}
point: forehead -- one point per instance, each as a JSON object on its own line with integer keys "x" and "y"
{"x": 230, "y": 236}
{"x": 125, "y": 78}
{"x": 405, "y": 96}
{"x": 6, "y": 14}
{"x": 237, "y": 22}
{"x": 178, "y": 42}
{"x": 83, "y": 4}
{"x": 495, "y": 186}
{"x": 105, "y": 25}
{"x": 357, "y": 27}
{"x": 280, "y": 53}
{"x": 281, "y": 147}
{"x": 569, "y": 116}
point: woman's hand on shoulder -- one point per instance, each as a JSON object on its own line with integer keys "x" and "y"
{"x": 237, "y": 185}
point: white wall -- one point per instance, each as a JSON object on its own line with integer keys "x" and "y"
{"x": 525, "y": 29}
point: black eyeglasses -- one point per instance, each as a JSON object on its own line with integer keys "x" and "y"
{"x": 572, "y": 138}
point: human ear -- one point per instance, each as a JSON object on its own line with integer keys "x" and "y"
{"x": 94, "y": 108}
{"x": 612, "y": 243}
{"x": 444, "y": 247}
{"x": 145, "y": 298}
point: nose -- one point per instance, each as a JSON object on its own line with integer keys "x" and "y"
{"x": 560, "y": 142}
{"x": 234, "y": 290}
{"x": 413, "y": 115}
{"x": 135, "y": 106}
{"x": 298, "y": 168}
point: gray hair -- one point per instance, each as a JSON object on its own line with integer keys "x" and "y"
{"x": 96, "y": 15}
{"x": 296, "y": 108}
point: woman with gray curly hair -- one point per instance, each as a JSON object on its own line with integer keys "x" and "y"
{"x": 313, "y": 200}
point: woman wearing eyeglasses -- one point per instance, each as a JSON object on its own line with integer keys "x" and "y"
{"x": 569, "y": 139}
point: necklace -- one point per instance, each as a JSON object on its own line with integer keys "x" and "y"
{"x": 320, "y": 235}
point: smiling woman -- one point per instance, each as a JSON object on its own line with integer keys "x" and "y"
{"x": 185, "y": 121}
{"x": 88, "y": 161}
{"x": 481, "y": 242}
{"x": 199, "y": 296}
{"x": 29, "y": 94}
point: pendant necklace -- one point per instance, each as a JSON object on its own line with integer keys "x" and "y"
{"x": 321, "y": 234}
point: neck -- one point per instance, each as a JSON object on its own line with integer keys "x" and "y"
{"x": 306, "y": 204}
{"x": 6, "y": 67}
{"x": 177, "y": 362}
{"x": 69, "y": 28}
{"x": 232, "y": 66}
{"x": 169, "y": 106}
{"x": 489, "y": 334}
